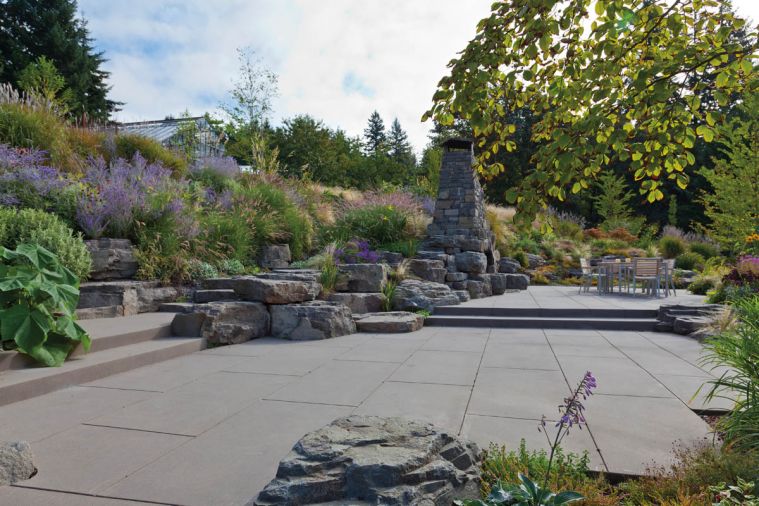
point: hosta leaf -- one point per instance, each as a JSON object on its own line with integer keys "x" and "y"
{"x": 567, "y": 497}
{"x": 25, "y": 325}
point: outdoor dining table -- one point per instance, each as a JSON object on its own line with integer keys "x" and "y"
{"x": 611, "y": 270}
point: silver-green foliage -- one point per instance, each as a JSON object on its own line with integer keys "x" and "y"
{"x": 38, "y": 299}
{"x": 38, "y": 227}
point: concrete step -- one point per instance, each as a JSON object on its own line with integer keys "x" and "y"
{"x": 544, "y": 312}
{"x": 105, "y": 333}
{"x": 535, "y": 322}
{"x": 20, "y": 384}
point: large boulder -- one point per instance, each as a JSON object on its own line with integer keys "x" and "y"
{"x": 480, "y": 287}
{"x": 517, "y": 281}
{"x": 508, "y": 265}
{"x": 361, "y": 278}
{"x": 268, "y": 291}
{"x": 390, "y": 322}
{"x": 111, "y": 259}
{"x": 499, "y": 283}
{"x": 230, "y": 322}
{"x": 428, "y": 270}
{"x": 123, "y": 298}
{"x": 412, "y": 295}
{"x": 311, "y": 320}
{"x": 471, "y": 262}
{"x": 16, "y": 462}
{"x": 535, "y": 261}
{"x": 368, "y": 460}
{"x": 275, "y": 256}
{"x": 359, "y": 302}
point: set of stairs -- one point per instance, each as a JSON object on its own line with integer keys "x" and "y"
{"x": 537, "y": 318}
{"x": 118, "y": 345}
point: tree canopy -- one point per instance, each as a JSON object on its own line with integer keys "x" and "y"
{"x": 607, "y": 82}
{"x": 374, "y": 135}
{"x": 51, "y": 29}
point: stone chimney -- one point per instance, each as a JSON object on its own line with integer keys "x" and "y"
{"x": 459, "y": 222}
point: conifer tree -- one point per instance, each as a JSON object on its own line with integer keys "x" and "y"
{"x": 32, "y": 29}
{"x": 399, "y": 147}
{"x": 375, "y": 138}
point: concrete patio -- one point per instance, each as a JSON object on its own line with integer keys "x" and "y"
{"x": 210, "y": 427}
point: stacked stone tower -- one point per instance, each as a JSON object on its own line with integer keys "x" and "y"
{"x": 459, "y": 222}
{"x": 460, "y": 247}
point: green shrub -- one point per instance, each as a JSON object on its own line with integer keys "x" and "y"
{"x": 276, "y": 219}
{"x": 27, "y": 127}
{"x": 231, "y": 267}
{"x": 39, "y": 298}
{"x": 126, "y": 145}
{"x": 690, "y": 261}
{"x": 702, "y": 284}
{"x": 38, "y": 227}
{"x": 378, "y": 224}
{"x": 225, "y": 235}
{"x": 198, "y": 269}
{"x": 521, "y": 257}
{"x": 704, "y": 249}
{"x": 162, "y": 254}
{"x": 406, "y": 248}
{"x": 671, "y": 247}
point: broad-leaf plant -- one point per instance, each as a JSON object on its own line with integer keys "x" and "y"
{"x": 38, "y": 299}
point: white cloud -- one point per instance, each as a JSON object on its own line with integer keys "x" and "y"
{"x": 337, "y": 60}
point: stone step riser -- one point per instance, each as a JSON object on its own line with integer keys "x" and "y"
{"x": 14, "y": 361}
{"x": 538, "y": 323}
{"x": 64, "y": 378}
{"x": 544, "y": 313}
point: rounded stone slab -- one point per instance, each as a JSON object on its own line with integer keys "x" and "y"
{"x": 268, "y": 291}
{"x": 16, "y": 462}
{"x": 375, "y": 460}
{"x": 311, "y": 320}
{"x": 391, "y": 322}
{"x": 412, "y": 294}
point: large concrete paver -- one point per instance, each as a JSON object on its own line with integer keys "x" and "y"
{"x": 636, "y": 432}
{"x": 441, "y": 367}
{"x": 21, "y": 496}
{"x": 88, "y": 459}
{"x": 342, "y": 383}
{"x": 518, "y": 393}
{"x": 519, "y": 357}
{"x": 295, "y": 361}
{"x": 231, "y": 463}
{"x": 617, "y": 376}
{"x": 381, "y": 350}
{"x": 196, "y": 406}
{"x": 41, "y": 417}
{"x": 443, "y": 405}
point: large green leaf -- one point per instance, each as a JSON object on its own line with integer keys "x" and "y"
{"x": 26, "y": 325}
{"x": 566, "y": 498}
{"x": 54, "y": 352}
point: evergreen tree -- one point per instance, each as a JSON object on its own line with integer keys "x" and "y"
{"x": 30, "y": 29}
{"x": 399, "y": 147}
{"x": 375, "y": 137}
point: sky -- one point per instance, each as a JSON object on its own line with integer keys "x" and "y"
{"x": 337, "y": 60}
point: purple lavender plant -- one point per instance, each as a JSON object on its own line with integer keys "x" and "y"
{"x": 225, "y": 166}
{"x": 356, "y": 251}
{"x": 572, "y": 415}
{"x": 25, "y": 178}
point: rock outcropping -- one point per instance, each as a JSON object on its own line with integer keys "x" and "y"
{"x": 16, "y": 462}
{"x": 367, "y": 460}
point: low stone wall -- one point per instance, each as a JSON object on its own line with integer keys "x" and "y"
{"x": 107, "y": 299}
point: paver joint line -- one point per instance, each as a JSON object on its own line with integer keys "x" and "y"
{"x": 68, "y": 492}
{"x": 189, "y": 436}
{"x": 471, "y": 391}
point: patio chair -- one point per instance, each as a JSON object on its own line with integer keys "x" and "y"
{"x": 669, "y": 282}
{"x": 589, "y": 273}
{"x": 648, "y": 271}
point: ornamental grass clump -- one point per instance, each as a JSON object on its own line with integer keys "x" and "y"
{"x": 737, "y": 351}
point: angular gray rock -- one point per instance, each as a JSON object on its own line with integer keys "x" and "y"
{"x": 268, "y": 291}
{"x": 230, "y": 322}
{"x": 124, "y": 298}
{"x": 517, "y": 281}
{"x": 534, "y": 261}
{"x": 359, "y": 302}
{"x": 275, "y": 256}
{"x": 361, "y": 278}
{"x": 463, "y": 295}
{"x": 367, "y": 460}
{"x": 428, "y": 270}
{"x": 456, "y": 276}
{"x": 311, "y": 320}
{"x": 390, "y": 257}
{"x": 479, "y": 288}
{"x": 202, "y": 296}
{"x": 471, "y": 262}
{"x": 111, "y": 259}
{"x": 412, "y": 294}
{"x": 16, "y": 462}
{"x": 508, "y": 266}
{"x": 390, "y": 322}
{"x": 499, "y": 283}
